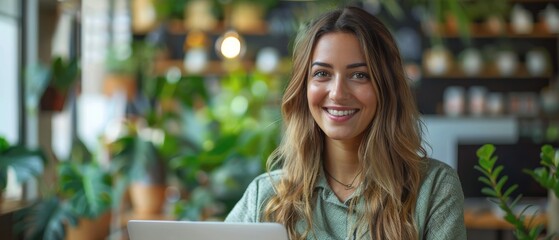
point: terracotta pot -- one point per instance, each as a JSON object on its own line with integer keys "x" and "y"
{"x": 147, "y": 199}
{"x": 120, "y": 83}
{"x": 53, "y": 100}
{"x": 495, "y": 25}
{"x": 90, "y": 229}
{"x": 451, "y": 24}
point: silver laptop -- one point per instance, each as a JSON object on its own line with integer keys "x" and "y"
{"x": 174, "y": 230}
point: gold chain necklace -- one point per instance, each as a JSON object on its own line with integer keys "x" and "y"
{"x": 347, "y": 186}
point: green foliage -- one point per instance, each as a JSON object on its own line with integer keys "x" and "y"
{"x": 547, "y": 175}
{"x": 481, "y": 9}
{"x": 27, "y": 163}
{"x": 170, "y": 9}
{"x": 439, "y": 11}
{"x": 266, "y": 4}
{"x": 83, "y": 190}
{"x": 86, "y": 188}
{"x": 137, "y": 158}
{"x": 45, "y": 219}
{"x": 232, "y": 133}
{"x": 63, "y": 73}
{"x": 500, "y": 194}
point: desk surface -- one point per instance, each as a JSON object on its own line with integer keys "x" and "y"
{"x": 490, "y": 220}
{"x": 473, "y": 219}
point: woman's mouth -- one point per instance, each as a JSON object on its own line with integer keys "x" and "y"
{"x": 341, "y": 113}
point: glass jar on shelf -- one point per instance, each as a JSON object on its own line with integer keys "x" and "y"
{"x": 454, "y": 101}
{"x": 477, "y": 100}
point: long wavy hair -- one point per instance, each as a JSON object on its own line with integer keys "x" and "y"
{"x": 390, "y": 152}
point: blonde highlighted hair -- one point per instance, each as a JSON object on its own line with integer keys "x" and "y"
{"x": 390, "y": 153}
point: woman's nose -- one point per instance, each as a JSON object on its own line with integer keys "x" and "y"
{"x": 338, "y": 89}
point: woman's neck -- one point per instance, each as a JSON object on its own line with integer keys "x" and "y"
{"x": 341, "y": 160}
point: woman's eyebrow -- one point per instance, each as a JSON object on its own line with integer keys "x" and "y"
{"x": 353, "y": 65}
{"x": 356, "y": 65}
{"x": 322, "y": 64}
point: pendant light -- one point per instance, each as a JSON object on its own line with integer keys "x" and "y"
{"x": 230, "y": 45}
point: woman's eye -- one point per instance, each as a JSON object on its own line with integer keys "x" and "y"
{"x": 360, "y": 75}
{"x": 320, "y": 74}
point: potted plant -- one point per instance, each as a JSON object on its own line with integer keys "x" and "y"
{"x": 86, "y": 188}
{"x": 27, "y": 163}
{"x": 137, "y": 164}
{"x": 62, "y": 78}
{"x": 547, "y": 176}
{"x": 78, "y": 207}
{"x": 121, "y": 71}
{"x": 152, "y": 136}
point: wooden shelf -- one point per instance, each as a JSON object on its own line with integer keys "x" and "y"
{"x": 215, "y": 68}
{"x": 480, "y": 30}
{"x": 176, "y": 27}
{"x": 490, "y": 220}
{"x": 8, "y": 206}
{"x": 489, "y": 72}
{"x": 534, "y": 1}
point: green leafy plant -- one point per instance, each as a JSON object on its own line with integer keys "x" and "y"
{"x": 82, "y": 190}
{"x": 500, "y": 194}
{"x": 233, "y": 133}
{"x": 62, "y": 78}
{"x": 547, "y": 175}
{"x": 45, "y": 219}
{"x": 27, "y": 163}
{"x": 63, "y": 73}
{"x": 442, "y": 12}
{"x": 86, "y": 187}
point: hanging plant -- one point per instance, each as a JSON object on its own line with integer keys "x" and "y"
{"x": 62, "y": 78}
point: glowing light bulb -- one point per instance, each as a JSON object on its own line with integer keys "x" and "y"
{"x": 231, "y": 47}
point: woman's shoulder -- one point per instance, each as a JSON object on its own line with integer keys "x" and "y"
{"x": 439, "y": 176}
{"x": 250, "y": 206}
{"x": 268, "y": 177}
{"x": 272, "y": 175}
{"x": 439, "y": 207}
{"x": 436, "y": 168}
{"x": 265, "y": 182}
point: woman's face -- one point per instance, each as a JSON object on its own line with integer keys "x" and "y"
{"x": 340, "y": 93}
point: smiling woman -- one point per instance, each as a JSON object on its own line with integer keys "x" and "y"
{"x": 351, "y": 161}
{"x": 340, "y": 93}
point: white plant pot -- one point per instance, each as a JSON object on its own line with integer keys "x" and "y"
{"x": 437, "y": 60}
{"x": 506, "y": 62}
{"x": 522, "y": 22}
{"x": 551, "y": 18}
{"x": 536, "y": 62}
{"x": 472, "y": 62}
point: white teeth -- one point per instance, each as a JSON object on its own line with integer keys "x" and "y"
{"x": 340, "y": 113}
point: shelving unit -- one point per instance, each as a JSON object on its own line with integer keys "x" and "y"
{"x": 480, "y": 30}
{"x": 489, "y": 72}
{"x": 430, "y": 90}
